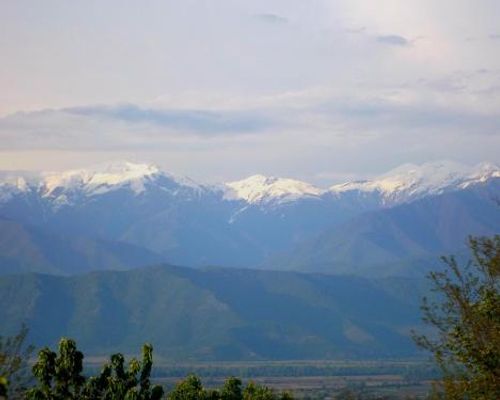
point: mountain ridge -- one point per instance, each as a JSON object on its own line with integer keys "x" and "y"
{"x": 191, "y": 224}
{"x": 413, "y": 234}
{"x": 405, "y": 183}
{"x": 221, "y": 314}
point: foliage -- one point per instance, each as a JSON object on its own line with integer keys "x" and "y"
{"x": 466, "y": 316}
{"x": 257, "y": 392}
{"x": 191, "y": 388}
{"x": 14, "y": 355}
{"x": 117, "y": 382}
{"x": 3, "y": 387}
{"x": 231, "y": 389}
{"x": 60, "y": 377}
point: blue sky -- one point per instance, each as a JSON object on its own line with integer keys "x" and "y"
{"x": 319, "y": 90}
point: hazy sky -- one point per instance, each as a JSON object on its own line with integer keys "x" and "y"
{"x": 318, "y": 90}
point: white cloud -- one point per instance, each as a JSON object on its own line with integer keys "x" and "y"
{"x": 233, "y": 87}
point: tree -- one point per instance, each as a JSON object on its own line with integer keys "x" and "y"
{"x": 231, "y": 389}
{"x": 14, "y": 355}
{"x": 254, "y": 391}
{"x": 117, "y": 382}
{"x": 190, "y": 388}
{"x": 466, "y": 317}
{"x": 60, "y": 377}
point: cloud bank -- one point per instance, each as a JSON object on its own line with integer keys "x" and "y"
{"x": 228, "y": 88}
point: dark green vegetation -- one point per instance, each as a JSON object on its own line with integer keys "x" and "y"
{"x": 191, "y": 388}
{"x": 14, "y": 355}
{"x": 60, "y": 377}
{"x": 223, "y": 314}
{"x": 27, "y": 248}
{"x": 467, "y": 319}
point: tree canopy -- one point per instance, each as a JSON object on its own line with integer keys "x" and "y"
{"x": 60, "y": 377}
{"x": 466, "y": 316}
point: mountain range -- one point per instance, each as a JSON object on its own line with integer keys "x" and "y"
{"x": 267, "y": 268}
{"x": 408, "y": 215}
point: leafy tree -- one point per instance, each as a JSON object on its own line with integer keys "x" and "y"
{"x": 231, "y": 389}
{"x": 257, "y": 392}
{"x": 190, "y": 388}
{"x": 466, "y": 316}
{"x": 117, "y": 382}
{"x": 60, "y": 377}
{"x": 14, "y": 355}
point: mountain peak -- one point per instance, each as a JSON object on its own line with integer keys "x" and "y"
{"x": 100, "y": 178}
{"x": 410, "y": 181}
{"x": 263, "y": 189}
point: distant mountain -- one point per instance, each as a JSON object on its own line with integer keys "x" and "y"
{"x": 402, "y": 240}
{"x": 411, "y": 182}
{"x": 259, "y": 189}
{"x": 221, "y": 314}
{"x": 29, "y": 249}
{"x": 237, "y": 224}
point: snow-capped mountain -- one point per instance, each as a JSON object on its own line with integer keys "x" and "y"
{"x": 68, "y": 188}
{"x": 403, "y": 184}
{"x": 16, "y": 183}
{"x": 99, "y": 180}
{"x": 410, "y": 182}
{"x": 264, "y": 190}
{"x": 238, "y": 223}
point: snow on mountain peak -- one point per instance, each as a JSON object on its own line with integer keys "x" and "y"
{"x": 405, "y": 183}
{"x": 101, "y": 178}
{"x": 262, "y": 189}
{"x": 16, "y": 182}
{"x": 410, "y": 181}
{"x": 485, "y": 171}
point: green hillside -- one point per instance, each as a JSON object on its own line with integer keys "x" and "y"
{"x": 219, "y": 314}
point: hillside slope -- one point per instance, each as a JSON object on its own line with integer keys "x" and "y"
{"x": 24, "y": 248}
{"x": 399, "y": 240}
{"x": 214, "y": 314}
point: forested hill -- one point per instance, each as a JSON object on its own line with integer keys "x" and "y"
{"x": 215, "y": 313}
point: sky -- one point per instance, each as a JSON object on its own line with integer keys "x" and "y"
{"x": 320, "y": 90}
